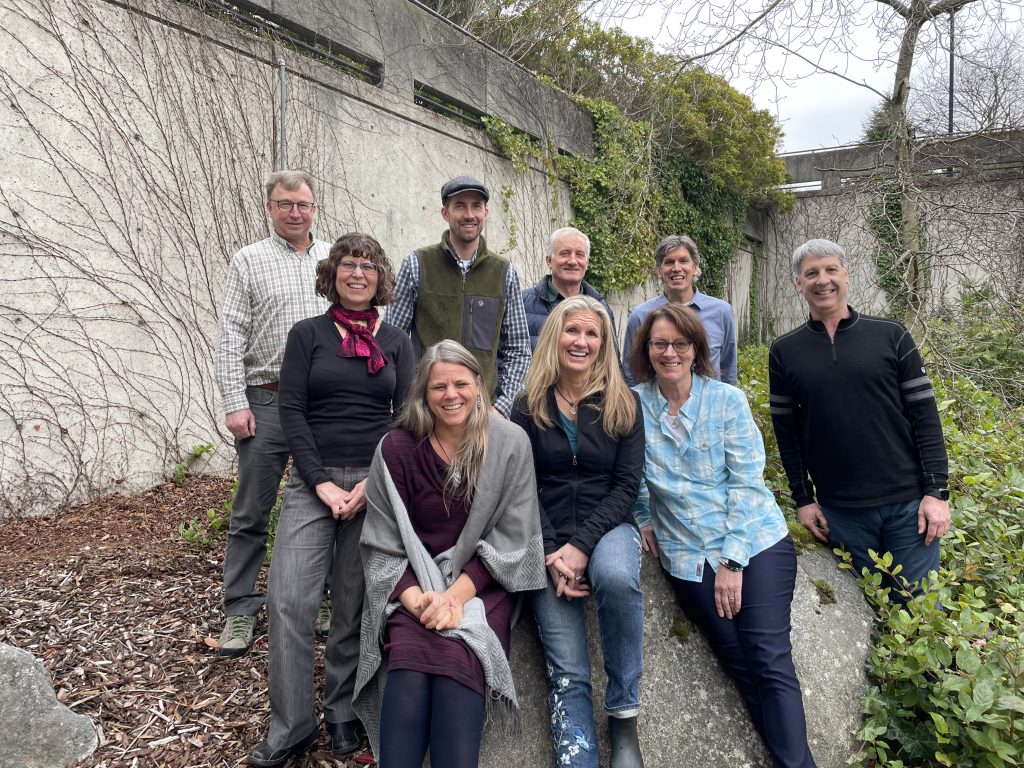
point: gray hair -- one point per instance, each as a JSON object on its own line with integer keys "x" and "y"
{"x": 290, "y": 180}
{"x": 819, "y": 248}
{"x": 558, "y": 234}
{"x": 671, "y": 243}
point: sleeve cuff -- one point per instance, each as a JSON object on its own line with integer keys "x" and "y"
{"x": 235, "y": 402}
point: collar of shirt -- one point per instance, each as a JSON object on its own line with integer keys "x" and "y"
{"x": 461, "y": 263}
{"x": 287, "y": 245}
{"x": 553, "y": 295}
{"x": 689, "y": 410}
{"x": 693, "y": 302}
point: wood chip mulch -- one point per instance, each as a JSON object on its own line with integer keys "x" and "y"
{"x": 119, "y": 610}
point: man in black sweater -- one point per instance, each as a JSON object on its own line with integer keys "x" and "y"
{"x": 857, "y": 425}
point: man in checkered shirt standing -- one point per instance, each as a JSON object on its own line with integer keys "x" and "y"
{"x": 458, "y": 289}
{"x": 270, "y": 287}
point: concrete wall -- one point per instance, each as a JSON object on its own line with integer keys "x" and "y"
{"x": 973, "y": 221}
{"x": 134, "y": 144}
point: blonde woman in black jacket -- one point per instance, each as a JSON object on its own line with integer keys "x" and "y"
{"x": 587, "y": 433}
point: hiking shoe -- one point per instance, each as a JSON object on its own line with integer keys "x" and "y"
{"x": 236, "y": 638}
{"x": 323, "y": 617}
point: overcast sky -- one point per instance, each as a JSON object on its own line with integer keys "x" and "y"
{"x": 815, "y": 110}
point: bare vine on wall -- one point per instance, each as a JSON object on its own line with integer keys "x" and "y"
{"x": 134, "y": 168}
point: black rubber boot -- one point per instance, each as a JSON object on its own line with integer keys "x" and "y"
{"x": 625, "y": 745}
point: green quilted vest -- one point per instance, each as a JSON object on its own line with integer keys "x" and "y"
{"x": 467, "y": 308}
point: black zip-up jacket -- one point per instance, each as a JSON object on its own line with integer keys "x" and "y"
{"x": 583, "y": 496}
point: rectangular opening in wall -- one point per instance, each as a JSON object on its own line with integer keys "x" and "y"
{"x": 291, "y": 35}
{"x": 802, "y": 186}
{"x": 435, "y": 101}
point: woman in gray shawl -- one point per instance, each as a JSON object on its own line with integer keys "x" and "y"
{"x": 452, "y": 527}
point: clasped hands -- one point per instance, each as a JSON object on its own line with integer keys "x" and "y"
{"x": 567, "y": 567}
{"x": 435, "y": 610}
{"x": 344, "y": 505}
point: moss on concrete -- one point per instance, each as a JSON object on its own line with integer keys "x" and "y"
{"x": 803, "y": 540}
{"x": 826, "y": 592}
{"x": 680, "y": 628}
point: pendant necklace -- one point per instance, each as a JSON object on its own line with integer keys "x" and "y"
{"x": 570, "y": 403}
{"x": 455, "y": 473}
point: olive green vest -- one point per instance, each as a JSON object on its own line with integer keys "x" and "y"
{"x": 466, "y": 307}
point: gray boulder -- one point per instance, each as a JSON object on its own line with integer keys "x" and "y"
{"x": 691, "y": 714}
{"x": 36, "y": 730}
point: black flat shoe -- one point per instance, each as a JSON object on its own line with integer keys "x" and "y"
{"x": 266, "y": 756}
{"x": 346, "y": 737}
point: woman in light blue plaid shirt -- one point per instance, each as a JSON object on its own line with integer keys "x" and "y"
{"x": 705, "y": 512}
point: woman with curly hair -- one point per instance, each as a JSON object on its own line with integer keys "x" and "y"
{"x": 344, "y": 376}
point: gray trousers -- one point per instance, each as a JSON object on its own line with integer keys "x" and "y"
{"x": 308, "y": 540}
{"x": 261, "y": 462}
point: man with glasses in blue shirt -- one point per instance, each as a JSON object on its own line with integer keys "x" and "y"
{"x": 270, "y": 287}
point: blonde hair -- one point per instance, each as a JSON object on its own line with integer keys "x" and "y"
{"x": 416, "y": 418}
{"x": 618, "y": 411}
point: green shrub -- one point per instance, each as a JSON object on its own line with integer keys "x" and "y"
{"x": 203, "y": 533}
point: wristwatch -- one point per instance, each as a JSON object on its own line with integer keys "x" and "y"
{"x": 732, "y": 565}
{"x": 939, "y": 493}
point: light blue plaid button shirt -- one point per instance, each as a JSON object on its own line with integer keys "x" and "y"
{"x": 705, "y": 496}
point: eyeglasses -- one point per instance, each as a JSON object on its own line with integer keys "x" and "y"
{"x": 660, "y": 345}
{"x": 287, "y": 205}
{"x": 352, "y": 266}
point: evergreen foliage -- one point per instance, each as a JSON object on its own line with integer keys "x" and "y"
{"x": 675, "y": 150}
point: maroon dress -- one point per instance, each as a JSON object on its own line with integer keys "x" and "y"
{"x": 419, "y": 476}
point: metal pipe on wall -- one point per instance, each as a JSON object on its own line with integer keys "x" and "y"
{"x": 282, "y": 98}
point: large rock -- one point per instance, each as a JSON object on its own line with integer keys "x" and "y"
{"x": 35, "y": 729}
{"x": 691, "y": 714}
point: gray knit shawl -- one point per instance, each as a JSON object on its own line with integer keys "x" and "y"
{"x": 503, "y": 528}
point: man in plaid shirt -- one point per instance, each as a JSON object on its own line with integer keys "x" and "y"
{"x": 270, "y": 287}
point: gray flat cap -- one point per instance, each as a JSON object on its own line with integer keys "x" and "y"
{"x": 463, "y": 184}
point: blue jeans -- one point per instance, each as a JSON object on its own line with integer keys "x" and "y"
{"x": 614, "y": 576}
{"x": 885, "y": 528}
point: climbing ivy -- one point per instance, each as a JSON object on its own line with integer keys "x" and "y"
{"x": 632, "y": 192}
{"x": 884, "y": 220}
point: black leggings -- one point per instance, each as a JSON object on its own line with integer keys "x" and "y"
{"x": 421, "y": 710}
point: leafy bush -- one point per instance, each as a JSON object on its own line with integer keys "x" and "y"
{"x": 981, "y": 340}
{"x": 947, "y": 669}
{"x": 203, "y": 533}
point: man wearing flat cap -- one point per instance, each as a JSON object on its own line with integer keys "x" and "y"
{"x": 457, "y": 289}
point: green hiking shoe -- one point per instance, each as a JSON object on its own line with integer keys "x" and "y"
{"x": 236, "y": 639}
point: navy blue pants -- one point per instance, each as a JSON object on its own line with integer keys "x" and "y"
{"x": 754, "y": 648}
{"x": 885, "y": 528}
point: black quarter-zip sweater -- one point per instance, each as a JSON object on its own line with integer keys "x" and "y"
{"x": 856, "y": 413}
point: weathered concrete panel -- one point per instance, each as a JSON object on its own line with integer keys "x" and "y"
{"x": 134, "y": 153}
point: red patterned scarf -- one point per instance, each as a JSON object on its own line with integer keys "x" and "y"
{"x": 360, "y": 341}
